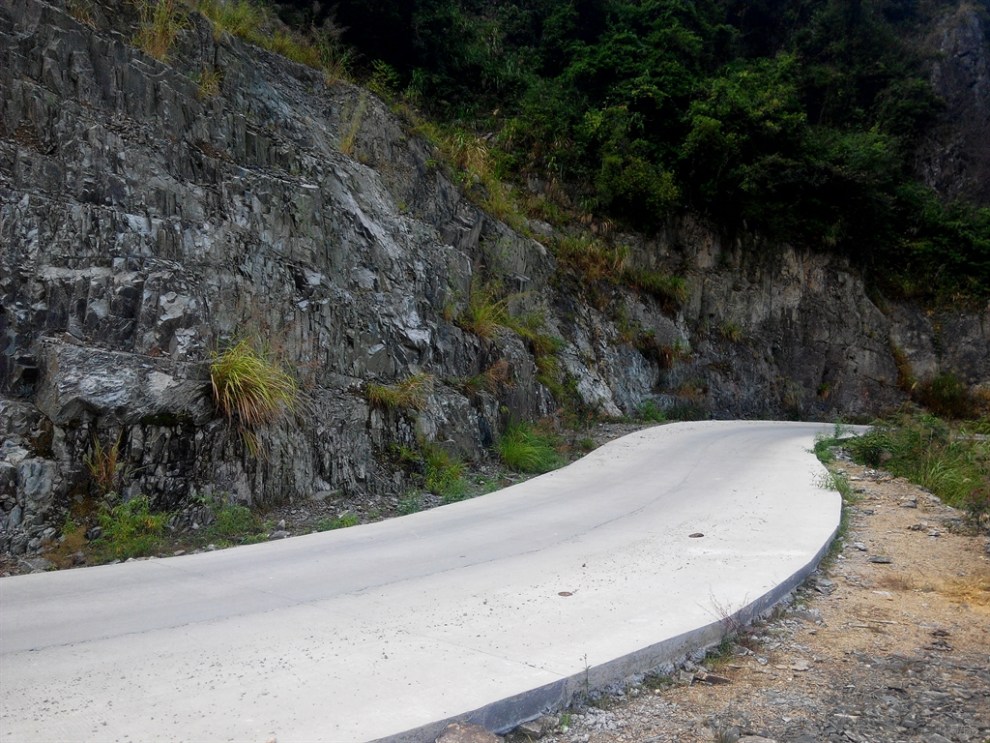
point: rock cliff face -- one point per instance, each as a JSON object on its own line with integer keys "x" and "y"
{"x": 955, "y": 159}
{"x": 144, "y": 225}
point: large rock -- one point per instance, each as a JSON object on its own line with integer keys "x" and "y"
{"x": 146, "y": 225}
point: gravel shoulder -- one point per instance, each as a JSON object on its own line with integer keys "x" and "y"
{"x": 888, "y": 641}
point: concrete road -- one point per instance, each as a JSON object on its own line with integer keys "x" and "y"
{"x": 489, "y": 609}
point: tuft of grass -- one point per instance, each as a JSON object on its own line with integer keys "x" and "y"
{"x": 241, "y": 18}
{"x": 409, "y": 394}
{"x": 731, "y": 331}
{"x": 209, "y": 80}
{"x": 650, "y": 411}
{"x": 444, "y": 473}
{"x": 251, "y": 387}
{"x": 524, "y": 449}
{"x": 591, "y": 259}
{"x": 161, "y": 21}
{"x": 484, "y": 313}
{"x": 669, "y": 289}
{"x": 130, "y": 529}
{"x": 104, "y": 465}
{"x": 349, "y": 139}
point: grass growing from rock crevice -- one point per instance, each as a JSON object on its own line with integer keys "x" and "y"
{"x": 250, "y": 386}
{"x": 409, "y": 394}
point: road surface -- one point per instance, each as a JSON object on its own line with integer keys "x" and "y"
{"x": 490, "y": 609}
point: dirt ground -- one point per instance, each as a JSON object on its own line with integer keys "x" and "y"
{"x": 889, "y": 641}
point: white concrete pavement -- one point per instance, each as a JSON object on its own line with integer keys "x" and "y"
{"x": 488, "y": 610}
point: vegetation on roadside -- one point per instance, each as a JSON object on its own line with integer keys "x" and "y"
{"x": 129, "y": 529}
{"x": 952, "y": 460}
{"x": 444, "y": 473}
{"x": 524, "y": 448}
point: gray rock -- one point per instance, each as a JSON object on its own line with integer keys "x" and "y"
{"x": 135, "y": 260}
{"x": 461, "y": 732}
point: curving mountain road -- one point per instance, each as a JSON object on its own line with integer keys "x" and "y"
{"x": 497, "y": 607}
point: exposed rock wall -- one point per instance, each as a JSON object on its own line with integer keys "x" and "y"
{"x": 955, "y": 158}
{"x": 145, "y": 225}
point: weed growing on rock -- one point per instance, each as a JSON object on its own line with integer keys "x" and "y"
{"x": 104, "y": 465}
{"x": 484, "y": 313}
{"x": 250, "y": 387}
{"x": 161, "y": 22}
{"x": 209, "y": 80}
{"x": 409, "y": 394}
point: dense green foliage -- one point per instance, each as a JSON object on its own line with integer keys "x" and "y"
{"x": 790, "y": 120}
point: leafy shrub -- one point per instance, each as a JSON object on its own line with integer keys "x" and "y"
{"x": 251, "y": 387}
{"x": 523, "y": 449}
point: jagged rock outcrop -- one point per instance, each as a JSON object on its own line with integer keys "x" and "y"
{"x": 955, "y": 158}
{"x": 146, "y": 224}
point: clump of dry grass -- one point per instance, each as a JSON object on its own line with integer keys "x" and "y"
{"x": 409, "y": 394}
{"x": 251, "y": 387}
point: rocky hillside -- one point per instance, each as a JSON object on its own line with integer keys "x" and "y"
{"x": 149, "y": 220}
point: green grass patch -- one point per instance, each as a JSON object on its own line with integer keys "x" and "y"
{"x": 344, "y": 521}
{"x": 444, "y": 473}
{"x": 234, "y": 524}
{"x": 650, "y": 412}
{"x": 952, "y": 461}
{"x": 524, "y": 449}
{"x": 129, "y": 529}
